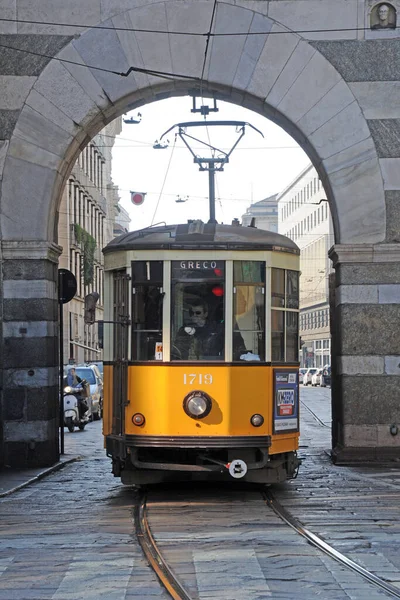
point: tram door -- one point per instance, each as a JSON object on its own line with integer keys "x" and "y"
{"x": 120, "y": 350}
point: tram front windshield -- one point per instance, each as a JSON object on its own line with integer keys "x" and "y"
{"x": 198, "y": 310}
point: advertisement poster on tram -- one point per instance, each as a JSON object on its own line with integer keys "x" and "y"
{"x": 286, "y": 401}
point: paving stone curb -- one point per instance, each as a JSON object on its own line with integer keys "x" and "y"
{"x": 60, "y": 465}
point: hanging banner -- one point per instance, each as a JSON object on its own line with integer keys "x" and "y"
{"x": 137, "y": 198}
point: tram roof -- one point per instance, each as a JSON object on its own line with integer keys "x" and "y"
{"x": 196, "y": 234}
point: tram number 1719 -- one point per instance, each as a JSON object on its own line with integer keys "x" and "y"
{"x": 197, "y": 378}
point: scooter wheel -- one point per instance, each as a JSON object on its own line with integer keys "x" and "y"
{"x": 82, "y": 426}
{"x": 71, "y": 428}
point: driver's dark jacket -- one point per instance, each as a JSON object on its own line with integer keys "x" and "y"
{"x": 206, "y": 342}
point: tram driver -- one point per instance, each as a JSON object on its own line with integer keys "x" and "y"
{"x": 203, "y": 337}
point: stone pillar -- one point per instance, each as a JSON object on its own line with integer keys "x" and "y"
{"x": 366, "y": 353}
{"x": 29, "y": 354}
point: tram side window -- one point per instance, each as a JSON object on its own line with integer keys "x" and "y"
{"x": 292, "y": 289}
{"x": 278, "y": 288}
{"x": 292, "y": 318}
{"x": 147, "y": 299}
{"x": 248, "y": 311}
{"x": 277, "y": 336}
{"x": 292, "y": 336}
{"x": 284, "y": 315}
{"x": 198, "y": 310}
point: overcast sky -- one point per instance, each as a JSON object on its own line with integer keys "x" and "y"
{"x": 258, "y": 167}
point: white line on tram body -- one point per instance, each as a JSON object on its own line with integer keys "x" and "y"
{"x": 106, "y": 578}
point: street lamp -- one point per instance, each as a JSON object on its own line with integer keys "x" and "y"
{"x": 133, "y": 120}
{"x": 160, "y": 145}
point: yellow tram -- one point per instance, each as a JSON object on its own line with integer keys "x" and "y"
{"x": 201, "y": 354}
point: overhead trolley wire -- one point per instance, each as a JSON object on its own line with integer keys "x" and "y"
{"x": 163, "y": 184}
{"x": 208, "y": 36}
{"x": 82, "y": 187}
{"x": 191, "y": 33}
{"x": 161, "y": 74}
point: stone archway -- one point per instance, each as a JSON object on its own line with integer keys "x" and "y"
{"x": 276, "y": 73}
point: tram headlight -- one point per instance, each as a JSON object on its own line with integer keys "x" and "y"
{"x": 257, "y": 420}
{"x": 197, "y": 404}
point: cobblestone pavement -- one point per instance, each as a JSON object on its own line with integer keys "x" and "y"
{"x": 70, "y": 535}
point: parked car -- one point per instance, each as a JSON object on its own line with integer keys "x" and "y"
{"x": 301, "y": 374}
{"x": 316, "y": 378}
{"x": 308, "y": 375}
{"x": 99, "y": 366}
{"x": 326, "y": 376}
{"x": 90, "y": 373}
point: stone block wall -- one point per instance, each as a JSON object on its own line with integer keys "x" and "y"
{"x": 30, "y": 373}
{"x": 365, "y": 305}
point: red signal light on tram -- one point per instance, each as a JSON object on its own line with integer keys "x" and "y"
{"x": 218, "y": 291}
{"x": 218, "y": 272}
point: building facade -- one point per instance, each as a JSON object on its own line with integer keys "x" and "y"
{"x": 265, "y": 213}
{"x": 122, "y": 221}
{"x": 304, "y": 216}
{"x": 87, "y": 221}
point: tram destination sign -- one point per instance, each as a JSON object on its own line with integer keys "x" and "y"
{"x": 201, "y": 269}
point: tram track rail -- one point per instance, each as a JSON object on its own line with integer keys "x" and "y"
{"x": 177, "y": 590}
{"x": 316, "y": 417}
{"x": 153, "y": 554}
{"x": 319, "y": 543}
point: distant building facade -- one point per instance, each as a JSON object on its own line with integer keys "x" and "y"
{"x": 87, "y": 218}
{"x": 265, "y": 213}
{"x": 304, "y": 216}
{"x": 122, "y": 221}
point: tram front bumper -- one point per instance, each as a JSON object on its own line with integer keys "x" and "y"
{"x": 205, "y": 453}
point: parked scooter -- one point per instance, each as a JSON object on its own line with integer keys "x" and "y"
{"x": 76, "y": 409}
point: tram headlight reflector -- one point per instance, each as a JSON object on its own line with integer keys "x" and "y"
{"x": 138, "y": 419}
{"x": 257, "y": 420}
{"x": 197, "y": 404}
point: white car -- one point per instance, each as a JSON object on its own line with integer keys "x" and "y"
{"x": 301, "y": 374}
{"x": 316, "y": 378}
{"x": 308, "y": 375}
